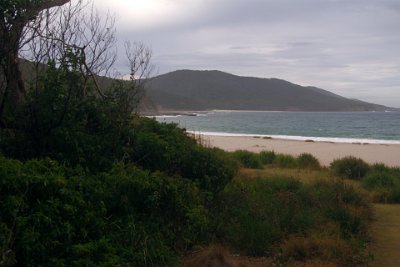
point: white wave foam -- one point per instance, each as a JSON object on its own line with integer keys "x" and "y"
{"x": 305, "y": 138}
{"x": 164, "y": 116}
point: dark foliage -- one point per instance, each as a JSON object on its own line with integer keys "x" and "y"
{"x": 110, "y": 188}
{"x": 57, "y": 216}
{"x": 308, "y": 161}
{"x": 248, "y": 159}
{"x": 265, "y": 212}
{"x": 384, "y": 183}
{"x": 83, "y": 182}
{"x": 350, "y": 167}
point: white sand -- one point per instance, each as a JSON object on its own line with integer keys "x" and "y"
{"x": 325, "y": 152}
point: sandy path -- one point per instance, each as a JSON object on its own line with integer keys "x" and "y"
{"x": 325, "y": 152}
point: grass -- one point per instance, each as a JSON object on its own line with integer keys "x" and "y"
{"x": 253, "y": 160}
{"x": 303, "y": 175}
{"x": 284, "y": 191}
{"x": 386, "y": 235}
{"x": 217, "y": 255}
{"x": 382, "y": 182}
{"x": 378, "y": 183}
{"x": 290, "y": 211}
{"x": 248, "y": 159}
{"x": 298, "y": 215}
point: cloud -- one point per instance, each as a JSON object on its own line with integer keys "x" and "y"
{"x": 346, "y": 46}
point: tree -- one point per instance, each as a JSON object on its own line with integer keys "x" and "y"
{"x": 49, "y": 31}
{"x": 16, "y": 14}
{"x": 70, "y": 49}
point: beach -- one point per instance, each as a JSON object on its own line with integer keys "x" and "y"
{"x": 326, "y": 152}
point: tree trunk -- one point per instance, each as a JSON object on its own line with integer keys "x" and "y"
{"x": 15, "y": 85}
{"x": 14, "y": 88}
{"x": 10, "y": 35}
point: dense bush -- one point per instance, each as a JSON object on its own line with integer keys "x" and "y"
{"x": 253, "y": 160}
{"x": 307, "y": 161}
{"x": 64, "y": 119}
{"x": 248, "y": 159}
{"x": 384, "y": 183}
{"x": 109, "y": 188}
{"x": 285, "y": 161}
{"x": 51, "y": 215}
{"x": 265, "y": 212}
{"x": 350, "y": 167}
{"x": 55, "y": 123}
{"x": 267, "y": 157}
{"x": 165, "y": 147}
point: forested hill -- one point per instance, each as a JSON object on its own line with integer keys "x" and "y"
{"x": 205, "y": 90}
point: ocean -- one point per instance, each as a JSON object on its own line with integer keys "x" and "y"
{"x": 341, "y": 127}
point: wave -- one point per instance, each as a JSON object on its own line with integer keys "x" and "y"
{"x": 186, "y": 114}
{"x": 164, "y": 116}
{"x": 304, "y": 138}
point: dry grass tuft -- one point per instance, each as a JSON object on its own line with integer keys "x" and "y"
{"x": 218, "y": 256}
{"x": 328, "y": 250}
{"x": 213, "y": 256}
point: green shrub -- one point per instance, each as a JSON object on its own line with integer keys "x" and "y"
{"x": 267, "y": 157}
{"x": 248, "y": 159}
{"x": 285, "y": 161}
{"x": 264, "y": 212}
{"x": 51, "y": 215}
{"x": 259, "y": 213}
{"x": 211, "y": 169}
{"x": 379, "y": 167}
{"x": 165, "y": 147}
{"x": 308, "y": 161}
{"x": 378, "y": 180}
{"x": 344, "y": 205}
{"x": 350, "y": 167}
{"x": 384, "y": 183}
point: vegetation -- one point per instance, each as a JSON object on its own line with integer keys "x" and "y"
{"x": 308, "y": 161}
{"x": 381, "y": 181}
{"x": 85, "y": 181}
{"x": 386, "y": 235}
{"x": 253, "y": 160}
{"x": 248, "y": 159}
{"x": 350, "y": 167}
{"x": 148, "y": 213}
{"x": 290, "y": 208}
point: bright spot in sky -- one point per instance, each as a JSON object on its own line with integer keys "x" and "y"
{"x": 142, "y": 14}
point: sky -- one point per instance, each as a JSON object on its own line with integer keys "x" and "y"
{"x": 348, "y": 47}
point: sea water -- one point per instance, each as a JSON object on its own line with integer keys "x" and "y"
{"x": 342, "y": 127}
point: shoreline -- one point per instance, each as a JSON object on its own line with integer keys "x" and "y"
{"x": 325, "y": 152}
{"x": 156, "y": 113}
{"x": 336, "y": 140}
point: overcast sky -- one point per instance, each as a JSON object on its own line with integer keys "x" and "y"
{"x": 349, "y": 47}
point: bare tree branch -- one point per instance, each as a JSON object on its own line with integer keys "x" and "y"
{"x": 139, "y": 59}
{"x": 74, "y": 27}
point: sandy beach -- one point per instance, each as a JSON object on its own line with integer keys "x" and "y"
{"x": 326, "y": 152}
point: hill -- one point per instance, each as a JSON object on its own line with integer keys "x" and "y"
{"x": 206, "y": 90}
